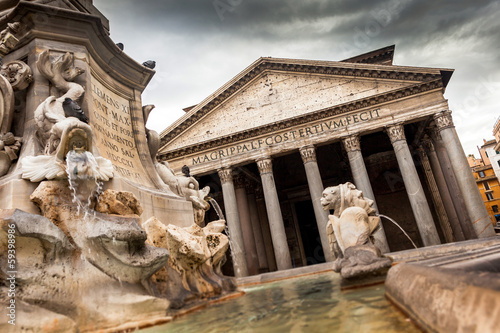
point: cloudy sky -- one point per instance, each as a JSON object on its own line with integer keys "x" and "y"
{"x": 201, "y": 44}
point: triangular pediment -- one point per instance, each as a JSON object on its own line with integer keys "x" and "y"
{"x": 273, "y": 90}
{"x": 277, "y": 96}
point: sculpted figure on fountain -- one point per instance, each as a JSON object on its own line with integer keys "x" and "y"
{"x": 349, "y": 231}
{"x": 60, "y": 131}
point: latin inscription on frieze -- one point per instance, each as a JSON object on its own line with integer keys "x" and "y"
{"x": 287, "y": 136}
{"x": 112, "y": 125}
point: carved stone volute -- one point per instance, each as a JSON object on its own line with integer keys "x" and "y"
{"x": 18, "y": 74}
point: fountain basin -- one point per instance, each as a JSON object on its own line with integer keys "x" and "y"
{"x": 459, "y": 292}
{"x": 312, "y": 303}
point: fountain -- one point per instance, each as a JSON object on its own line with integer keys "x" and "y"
{"x": 96, "y": 234}
{"x": 101, "y": 235}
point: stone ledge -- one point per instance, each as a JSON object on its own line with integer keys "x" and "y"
{"x": 444, "y": 251}
{"x": 284, "y": 274}
{"x": 458, "y": 295}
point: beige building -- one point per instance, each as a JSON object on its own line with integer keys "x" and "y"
{"x": 270, "y": 140}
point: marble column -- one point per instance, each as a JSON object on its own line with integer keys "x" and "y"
{"x": 257, "y": 231}
{"x": 452, "y": 183}
{"x": 414, "y": 189}
{"x": 436, "y": 197}
{"x": 266, "y": 231}
{"x": 308, "y": 154}
{"x": 443, "y": 189}
{"x": 362, "y": 181}
{"x": 233, "y": 223}
{"x": 246, "y": 225}
{"x": 278, "y": 234}
{"x": 473, "y": 201}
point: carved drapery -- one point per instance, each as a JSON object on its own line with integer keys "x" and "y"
{"x": 308, "y": 154}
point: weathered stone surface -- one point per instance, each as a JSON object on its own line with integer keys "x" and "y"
{"x": 196, "y": 255}
{"x": 121, "y": 238}
{"x": 118, "y": 202}
{"x": 267, "y": 98}
{"x": 65, "y": 274}
{"x": 446, "y": 300}
{"x": 361, "y": 260}
{"x": 31, "y": 318}
{"x": 9, "y": 148}
{"x": 36, "y": 226}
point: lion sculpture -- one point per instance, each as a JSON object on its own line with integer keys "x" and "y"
{"x": 349, "y": 231}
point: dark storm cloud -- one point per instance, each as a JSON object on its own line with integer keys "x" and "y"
{"x": 200, "y": 44}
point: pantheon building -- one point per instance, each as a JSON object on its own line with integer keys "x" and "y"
{"x": 272, "y": 138}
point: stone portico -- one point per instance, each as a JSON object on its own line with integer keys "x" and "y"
{"x": 270, "y": 140}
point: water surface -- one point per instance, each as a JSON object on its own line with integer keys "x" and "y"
{"x": 305, "y": 304}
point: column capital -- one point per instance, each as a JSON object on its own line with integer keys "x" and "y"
{"x": 265, "y": 165}
{"x": 225, "y": 175}
{"x": 421, "y": 152}
{"x": 352, "y": 143}
{"x": 396, "y": 132}
{"x": 443, "y": 120}
{"x": 433, "y": 133}
{"x": 308, "y": 154}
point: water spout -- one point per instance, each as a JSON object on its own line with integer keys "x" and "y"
{"x": 404, "y": 232}
{"x": 217, "y": 209}
{"x": 232, "y": 245}
{"x": 81, "y": 168}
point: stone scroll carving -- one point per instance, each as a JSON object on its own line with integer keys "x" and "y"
{"x": 57, "y": 132}
{"x": 349, "y": 231}
{"x": 18, "y": 74}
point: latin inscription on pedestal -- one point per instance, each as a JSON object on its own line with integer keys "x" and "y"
{"x": 112, "y": 125}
